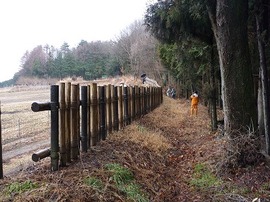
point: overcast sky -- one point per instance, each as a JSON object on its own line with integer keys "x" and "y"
{"x": 26, "y": 24}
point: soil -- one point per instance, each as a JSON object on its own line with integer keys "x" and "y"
{"x": 164, "y": 164}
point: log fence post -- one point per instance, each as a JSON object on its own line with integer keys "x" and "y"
{"x": 93, "y": 114}
{"x": 120, "y": 106}
{"x": 126, "y": 106}
{"x": 148, "y": 99}
{"x": 62, "y": 138}
{"x": 54, "y": 127}
{"x": 74, "y": 122}
{"x": 115, "y": 109}
{"x": 1, "y": 151}
{"x": 102, "y": 112}
{"x": 129, "y": 104}
{"x": 109, "y": 108}
{"x": 112, "y": 107}
{"x": 133, "y": 103}
{"x": 144, "y": 101}
{"x": 78, "y": 105}
{"x": 67, "y": 120}
{"x": 88, "y": 117}
{"x": 84, "y": 118}
{"x": 139, "y": 102}
{"x": 151, "y": 98}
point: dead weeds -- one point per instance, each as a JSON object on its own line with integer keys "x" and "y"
{"x": 162, "y": 150}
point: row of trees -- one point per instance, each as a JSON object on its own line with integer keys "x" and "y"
{"x": 226, "y": 40}
{"x": 134, "y": 52}
{"x": 89, "y": 60}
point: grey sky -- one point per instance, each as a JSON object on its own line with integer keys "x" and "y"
{"x": 29, "y": 23}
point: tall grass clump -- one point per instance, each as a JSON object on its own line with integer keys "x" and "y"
{"x": 125, "y": 182}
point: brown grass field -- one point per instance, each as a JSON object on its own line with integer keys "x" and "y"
{"x": 163, "y": 151}
{"x": 23, "y": 131}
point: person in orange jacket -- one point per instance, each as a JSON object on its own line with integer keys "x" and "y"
{"x": 194, "y": 103}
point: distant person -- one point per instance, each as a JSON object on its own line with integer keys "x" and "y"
{"x": 169, "y": 91}
{"x": 194, "y": 103}
{"x": 143, "y": 78}
{"x": 173, "y": 93}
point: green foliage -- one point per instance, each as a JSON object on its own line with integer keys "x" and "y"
{"x": 121, "y": 175}
{"x": 94, "y": 183}
{"x": 133, "y": 191}
{"x": 171, "y": 21}
{"x": 203, "y": 178}
{"x": 7, "y": 83}
{"x": 264, "y": 189}
{"x": 141, "y": 128}
{"x": 124, "y": 180}
{"x": 20, "y": 187}
{"x": 266, "y": 186}
{"x": 184, "y": 30}
{"x": 187, "y": 60}
{"x": 88, "y": 60}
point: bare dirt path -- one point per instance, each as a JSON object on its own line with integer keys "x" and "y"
{"x": 26, "y": 148}
{"x": 19, "y": 94}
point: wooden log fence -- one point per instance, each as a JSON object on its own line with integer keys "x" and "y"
{"x": 82, "y": 116}
{"x": 1, "y": 151}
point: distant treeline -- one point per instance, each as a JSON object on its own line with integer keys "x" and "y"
{"x": 88, "y": 60}
{"x": 134, "y": 52}
{"x": 7, "y": 83}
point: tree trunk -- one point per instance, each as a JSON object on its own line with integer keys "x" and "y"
{"x": 239, "y": 102}
{"x": 264, "y": 85}
{"x": 213, "y": 98}
{"x": 260, "y": 110}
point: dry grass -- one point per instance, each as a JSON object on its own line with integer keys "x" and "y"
{"x": 18, "y": 121}
{"x": 243, "y": 149}
{"x": 161, "y": 149}
{"x": 155, "y": 148}
{"x": 34, "y": 81}
{"x": 129, "y": 147}
{"x": 152, "y": 140}
{"x": 23, "y": 131}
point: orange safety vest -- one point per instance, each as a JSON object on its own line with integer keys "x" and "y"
{"x": 194, "y": 99}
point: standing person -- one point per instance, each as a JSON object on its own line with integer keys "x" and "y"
{"x": 194, "y": 103}
{"x": 173, "y": 93}
{"x": 169, "y": 91}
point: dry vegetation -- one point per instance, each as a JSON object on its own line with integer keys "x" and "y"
{"x": 22, "y": 130}
{"x": 172, "y": 156}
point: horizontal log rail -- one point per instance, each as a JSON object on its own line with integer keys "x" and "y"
{"x": 38, "y": 107}
{"x": 41, "y": 154}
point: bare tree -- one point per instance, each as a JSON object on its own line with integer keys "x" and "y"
{"x": 137, "y": 51}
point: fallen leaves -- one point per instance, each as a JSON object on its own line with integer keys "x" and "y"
{"x": 161, "y": 149}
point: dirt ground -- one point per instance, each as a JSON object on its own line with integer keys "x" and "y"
{"x": 163, "y": 150}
